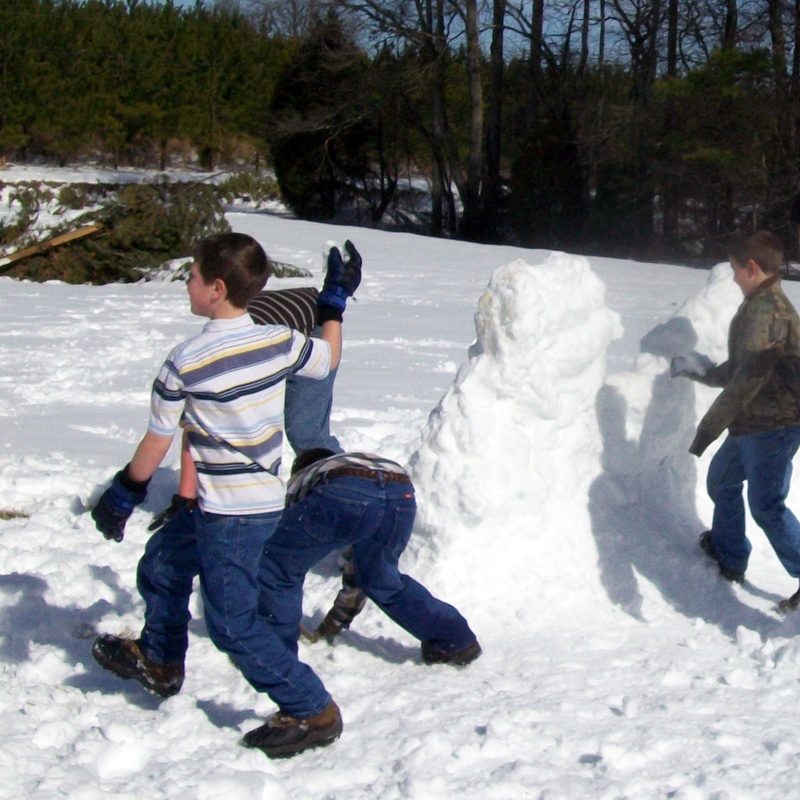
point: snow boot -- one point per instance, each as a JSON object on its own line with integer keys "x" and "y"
{"x": 124, "y": 657}
{"x": 459, "y": 658}
{"x": 733, "y": 575}
{"x": 790, "y": 603}
{"x": 283, "y": 736}
{"x": 346, "y": 607}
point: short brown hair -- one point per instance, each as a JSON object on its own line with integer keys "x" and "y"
{"x": 236, "y": 259}
{"x": 765, "y": 248}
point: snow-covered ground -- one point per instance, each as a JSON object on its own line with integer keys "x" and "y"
{"x": 559, "y": 510}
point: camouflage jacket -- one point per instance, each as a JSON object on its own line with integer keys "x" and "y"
{"x": 761, "y": 377}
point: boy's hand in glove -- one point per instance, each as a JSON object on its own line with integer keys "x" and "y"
{"x": 178, "y": 504}
{"x": 692, "y": 366}
{"x": 342, "y": 277}
{"x": 116, "y": 504}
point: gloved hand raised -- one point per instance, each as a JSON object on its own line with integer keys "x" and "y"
{"x": 116, "y": 504}
{"x": 342, "y": 277}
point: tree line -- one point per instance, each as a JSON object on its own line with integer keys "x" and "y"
{"x": 130, "y": 80}
{"x": 634, "y": 128}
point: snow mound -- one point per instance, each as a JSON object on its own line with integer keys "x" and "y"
{"x": 509, "y": 453}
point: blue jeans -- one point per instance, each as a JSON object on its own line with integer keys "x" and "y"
{"x": 307, "y": 412}
{"x": 376, "y": 518}
{"x": 224, "y": 551}
{"x": 764, "y": 460}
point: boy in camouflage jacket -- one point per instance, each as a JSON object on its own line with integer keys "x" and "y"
{"x": 760, "y": 408}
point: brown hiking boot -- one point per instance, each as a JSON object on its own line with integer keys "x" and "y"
{"x": 123, "y": 657}
{"x": 282, "y": 736}
{"x": 459, "y": 658}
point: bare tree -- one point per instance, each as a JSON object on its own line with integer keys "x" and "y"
{"x": 432, "y": 29}
{"x": 291, "y": 18}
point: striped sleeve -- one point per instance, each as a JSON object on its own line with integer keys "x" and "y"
{"x": 314, "y": 357}
{"x": 166, "y": 400}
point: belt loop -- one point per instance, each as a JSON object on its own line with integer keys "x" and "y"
{"x": 381, "y": 476}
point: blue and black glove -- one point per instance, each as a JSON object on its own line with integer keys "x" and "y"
{"x": 116, "y": 504}
{"x": 341, "y": 281}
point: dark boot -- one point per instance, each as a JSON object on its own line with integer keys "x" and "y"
{"x": 123, "y": 657}
{"x": 729, "y": 574}
{"x": 459, "y": 658}
{"x": 790, "y": 603}
{"x": 346, "y": 607}
{"x": 282, "y": 736}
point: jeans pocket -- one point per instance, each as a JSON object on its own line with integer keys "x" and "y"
{"x": 331, "y": 517}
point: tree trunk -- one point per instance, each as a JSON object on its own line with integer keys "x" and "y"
{"x": 470, "y": 185}
{"x": 491, "y": 192}
{"x": 669, "y": 191}
{"x": 776, "y": 178}
{"x": 536, "y": 58}
{"x": 730, "y": 29}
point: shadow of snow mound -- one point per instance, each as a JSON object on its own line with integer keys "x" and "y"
{"x": 643, "y": 506}
{"x": 511, "y": 450}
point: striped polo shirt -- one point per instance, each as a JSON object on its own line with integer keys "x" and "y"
{"x": 227, "y": 384}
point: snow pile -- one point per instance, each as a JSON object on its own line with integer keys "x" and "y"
{"x": 510, "y": 451}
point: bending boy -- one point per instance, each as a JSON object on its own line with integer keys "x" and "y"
{"x": 367, "y": 502}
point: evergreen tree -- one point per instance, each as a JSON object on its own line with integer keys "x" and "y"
{"x": 320, "y": 131}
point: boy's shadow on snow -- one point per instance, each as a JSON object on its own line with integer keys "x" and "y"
{"x": 29, "y": 619}
{"x": 642, "y": 506}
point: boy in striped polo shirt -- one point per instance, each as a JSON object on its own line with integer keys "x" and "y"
{"x": 226, "y": 386}
{"x": 307, "y": 408}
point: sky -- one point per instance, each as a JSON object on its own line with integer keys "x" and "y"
{"x": 529, "y": 394}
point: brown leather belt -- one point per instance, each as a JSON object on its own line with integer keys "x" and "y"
{"x": 368, "y": 474}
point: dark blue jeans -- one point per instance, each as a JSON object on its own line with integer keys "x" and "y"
{"x": 224, "y": 551}
{"x": 376, "y": 518}
{"x": 764, "y": 460}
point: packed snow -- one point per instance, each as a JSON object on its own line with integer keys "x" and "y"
{"x": 529, "y": 393}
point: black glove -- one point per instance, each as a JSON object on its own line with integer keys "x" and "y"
{"x": 179, "y": 502}
{"x": 116, "y": 504}
{"x": 341, "y": 279}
